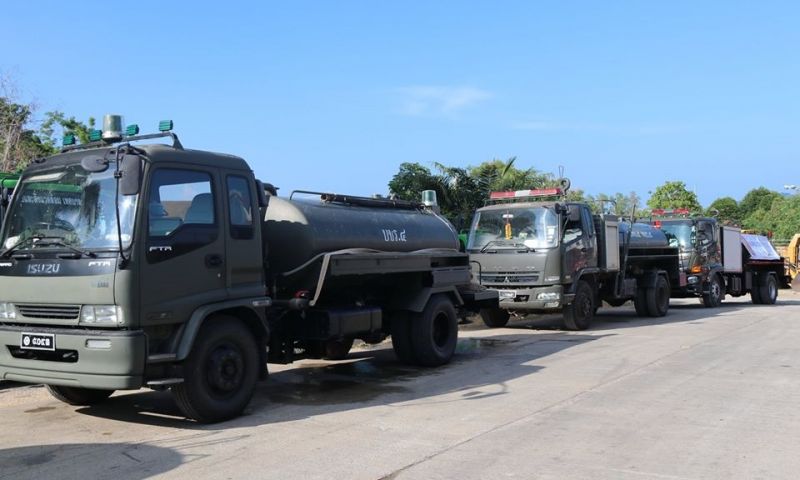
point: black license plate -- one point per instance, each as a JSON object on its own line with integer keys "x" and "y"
{"x": 38, "y": 341}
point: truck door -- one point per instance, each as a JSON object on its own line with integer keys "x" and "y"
{"x": 184, "y": 253}
{"x": 244, "y": 261}
{"x": 708, "y": 243}
{"x": 578, "y": 242}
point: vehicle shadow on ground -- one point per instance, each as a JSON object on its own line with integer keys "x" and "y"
{"x": 367, "y": 378}
{"x": 120, "y": 460}
{"x": 609, "y": 318}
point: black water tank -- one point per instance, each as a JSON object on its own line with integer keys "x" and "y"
{"x": 297, "y": 230}
{"x": 643, "y": 236}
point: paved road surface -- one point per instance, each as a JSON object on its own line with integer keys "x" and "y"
{"x": 698, "y": 394}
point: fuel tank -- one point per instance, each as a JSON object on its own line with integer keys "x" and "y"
{"x": 642, "y": 236}
{"x": 295, "y": 231}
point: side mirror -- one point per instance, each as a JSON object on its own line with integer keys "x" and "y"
{"x": 574, "y": 214}
{"x": 4, "y": 197}
{"x": 261, "y": 194}
{"x": 131, "y": 179}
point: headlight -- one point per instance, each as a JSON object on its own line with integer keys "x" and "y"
{"x": 7, "y": 311}
{"x": 101, "y": 314}
{"x": 552, "y": 278}
{"x": 548, "y": 296}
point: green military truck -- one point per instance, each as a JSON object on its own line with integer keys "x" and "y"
{"x": 719, "y": 260}
{"x": 544, "y": 254}
{"x": 126, "y": 265}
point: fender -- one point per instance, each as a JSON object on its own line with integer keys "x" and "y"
{"x": 573, "y": 287}
{"x": 649, "y": 278}
{"x": 190, "y": 329}
{"x": 415, "y": 301}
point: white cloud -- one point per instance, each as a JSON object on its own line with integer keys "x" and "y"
{"x": 430, "y": 100}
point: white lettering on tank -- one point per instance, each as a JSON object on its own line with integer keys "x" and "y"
{"x": 390, "y": 235}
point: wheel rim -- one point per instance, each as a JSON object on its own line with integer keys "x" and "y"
{"x": 584, "y": 307}
{"x": 441, "y": 329}
{"x": 715, "y": 290}
{"x": 773, "y": 290}
{"x": 225, "y": 369}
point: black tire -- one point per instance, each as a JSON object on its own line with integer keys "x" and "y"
{"x": 640, "y": 301}
{"x": 494, "y": 317}
{"x": 78, "y": 395}
{"x": 755, "y": 293}
{"x": 337, "y": 349}
{"x": 434, "y": 332}
{"x": 220, "y": 372}
{"x": 768, "y": 290}
{"x": 578, "y": 315}
{"x": 658, "y": 298}
{"x": 401, "y": 337}
{"x": 716, "y": 292}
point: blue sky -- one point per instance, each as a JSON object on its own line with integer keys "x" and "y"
{"x": 335, "y": 95}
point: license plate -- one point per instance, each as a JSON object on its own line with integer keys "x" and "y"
{"x": 508, "y": 294}
{"x": 38, "y": 341}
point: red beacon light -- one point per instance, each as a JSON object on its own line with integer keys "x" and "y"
{"x": 544, "y": 192}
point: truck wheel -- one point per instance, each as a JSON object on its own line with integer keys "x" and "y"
{"x": 716, "y": 292}
{"x": 578, "y": 315}
{"x": 640, "y": 301}
{"x": 337, "y": 349}
{"x": 494, "y": 317}
{"x": 220, "y": 372}
{"x": 755, "y": 295}
{"x": 434, "y": 332}
{"x": 79, "y": 396}
{"x": 401, "y": 337}
{"x": 658, "y": 298}
{"x": 768, "y": 291}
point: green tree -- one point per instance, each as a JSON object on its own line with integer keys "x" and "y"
{"x": 726, "y": 209}
{"x": 18, "y": 142}
{"x": 674, "y": 195}
{"x": 760, "y": 198}
{"x": 56, "y": 120}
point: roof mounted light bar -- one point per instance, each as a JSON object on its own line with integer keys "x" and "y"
{"x": 522, "y": 194}
{"x": 675, "y": 212}
{"x": 130, "y": 134}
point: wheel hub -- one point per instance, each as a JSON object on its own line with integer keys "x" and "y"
{"x": 225, "y": 369}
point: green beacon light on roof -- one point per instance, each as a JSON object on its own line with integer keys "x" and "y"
{"x": 95, "y": 135}
{"x": 165, "y": 125}
{"x": 69, "y": 139}
{"x": 131, "y": 130}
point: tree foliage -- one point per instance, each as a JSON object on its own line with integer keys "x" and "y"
{"x": 726, "y": 209}
{"x": 674, "y": 195}
{"x": 760, "y": 198}
{"x": 461, "y": 191}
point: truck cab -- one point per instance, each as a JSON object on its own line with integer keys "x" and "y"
{"x": 699, "y": 241}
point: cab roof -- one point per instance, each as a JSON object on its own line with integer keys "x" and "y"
{"x": 155, "y": 153}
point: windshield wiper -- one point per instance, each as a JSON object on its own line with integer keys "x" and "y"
{"x": 59, "y": 242}
{"x": 503, "y": 242}
{"x": 44, "y": 241}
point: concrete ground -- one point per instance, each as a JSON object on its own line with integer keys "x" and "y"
{"x": 700, "y": 393}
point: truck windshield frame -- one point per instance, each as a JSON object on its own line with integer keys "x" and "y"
{"x": 70, "y": 204}
{"x": 680, "y": 234}
{"x": 534, "y": 227}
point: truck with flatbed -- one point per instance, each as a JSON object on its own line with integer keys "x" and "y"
{"x": 128, "y": 265}
{"x": 719, "y": 260}
{"x": 545, "y": 254}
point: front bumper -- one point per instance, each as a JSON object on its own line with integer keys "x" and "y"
{"x": 118, "y": 365}
{"x": 527, "y": 298}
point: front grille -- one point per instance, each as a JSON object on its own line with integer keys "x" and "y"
{"x": 58, "y": 312}
{"x": 509, "y": 277}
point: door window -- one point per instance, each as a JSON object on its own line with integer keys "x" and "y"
{"x": 181, "y": 213}
{"x": 240, "y": 207}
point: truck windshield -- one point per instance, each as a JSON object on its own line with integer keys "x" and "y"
{"x": 533, "y": 227}
{"x": 71, "y": 205}
{"x": 679, "y": 234}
